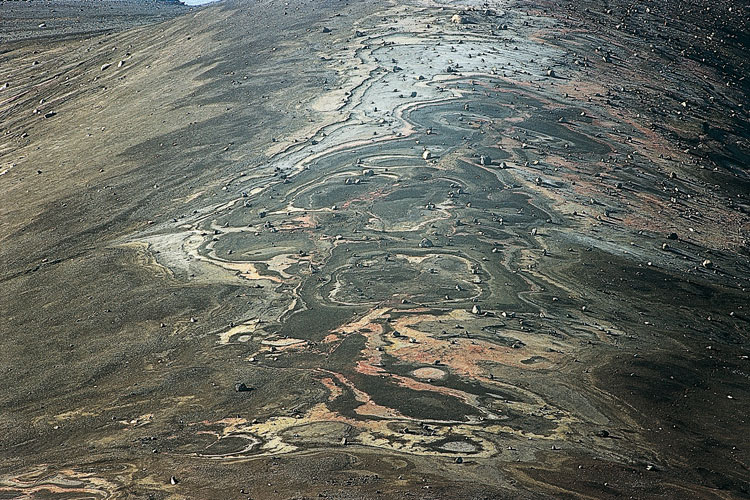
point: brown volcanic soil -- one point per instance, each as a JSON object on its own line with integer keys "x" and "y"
{"x": 225, "y": 256}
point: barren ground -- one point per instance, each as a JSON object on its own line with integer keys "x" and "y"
{"x": 419, "y": 249}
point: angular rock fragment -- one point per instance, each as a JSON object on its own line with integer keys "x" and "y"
{"x": 242, "y": 387}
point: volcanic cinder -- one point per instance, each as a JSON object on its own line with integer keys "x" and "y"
{"x": 420, "y": 249}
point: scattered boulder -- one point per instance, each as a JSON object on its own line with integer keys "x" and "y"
{"x": 485, "y": 160}
{"x": 426, "y": 243}
{"x": 242, "y": 387}
{"x": 427, "y": 154}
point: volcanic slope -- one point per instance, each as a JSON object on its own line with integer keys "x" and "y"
{"x": 368, "y": 250}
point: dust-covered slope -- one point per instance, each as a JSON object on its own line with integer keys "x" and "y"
{"x": 374, "y": 249}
